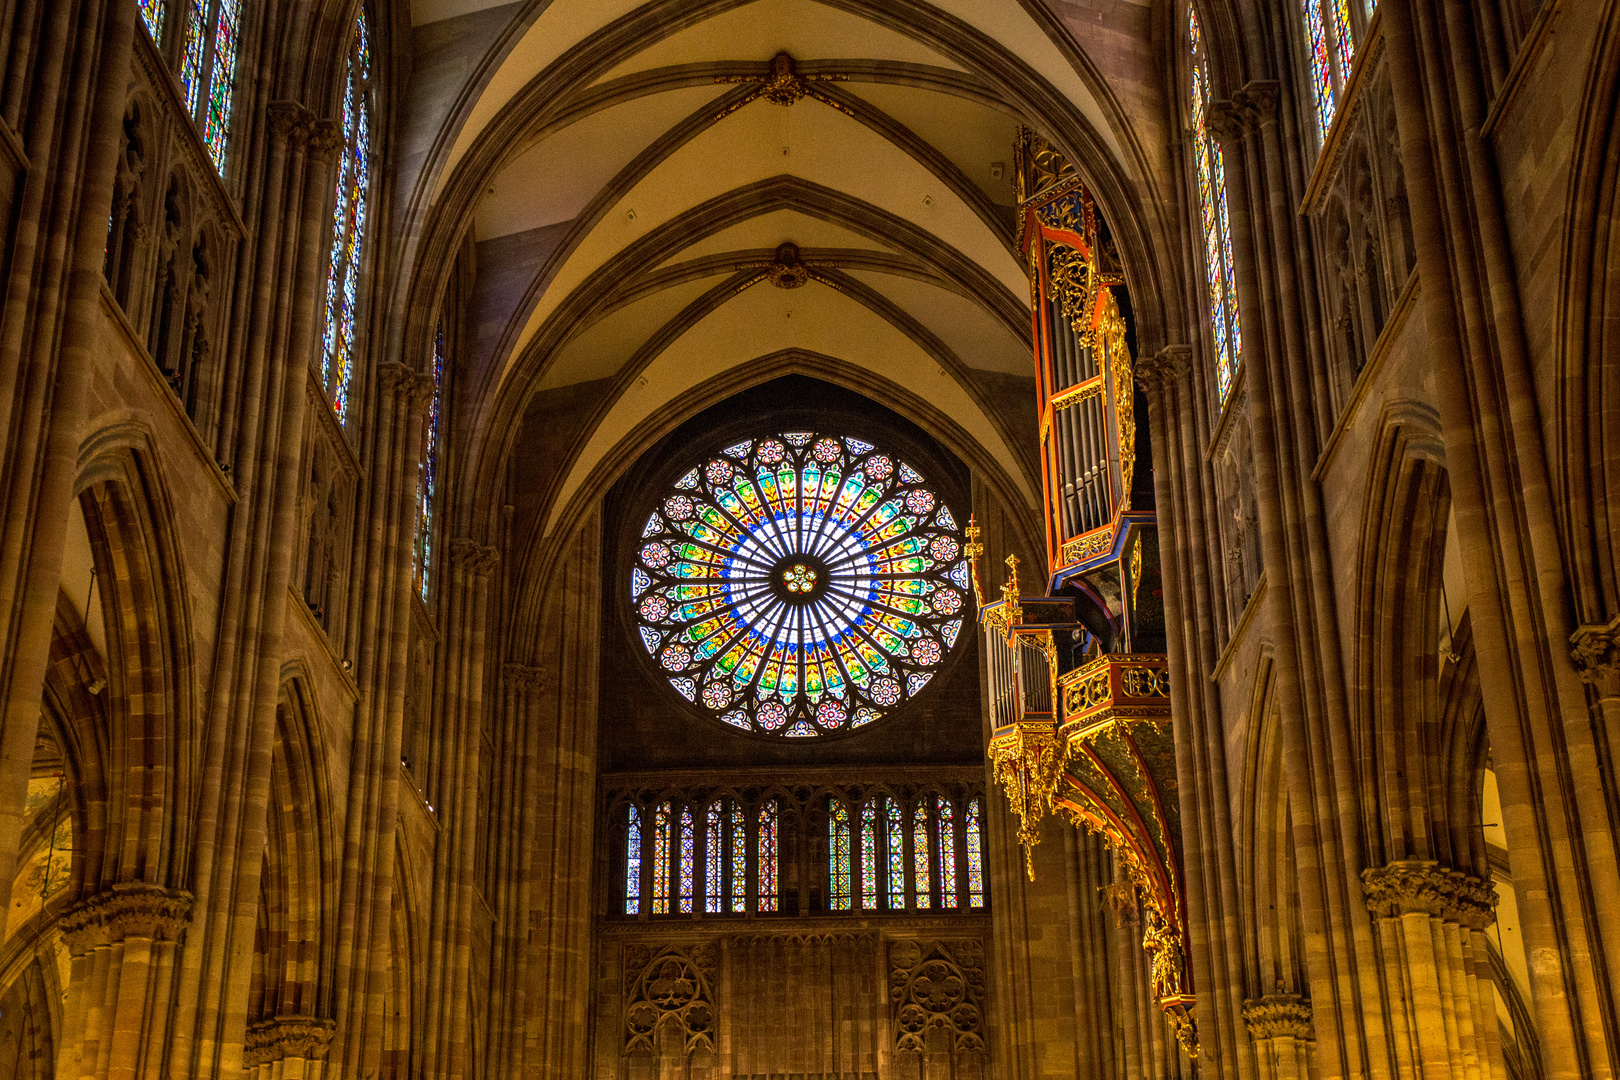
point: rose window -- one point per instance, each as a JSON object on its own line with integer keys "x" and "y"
{"x": 800, "y": 584}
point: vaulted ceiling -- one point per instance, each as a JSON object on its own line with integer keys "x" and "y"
{"x": 622, "y": 178}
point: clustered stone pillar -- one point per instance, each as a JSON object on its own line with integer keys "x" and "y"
{"x": 1280, "y": 1025}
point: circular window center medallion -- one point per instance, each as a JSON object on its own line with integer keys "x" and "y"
{"x": 799, "y": 584}
{"x": 799, "y": 579}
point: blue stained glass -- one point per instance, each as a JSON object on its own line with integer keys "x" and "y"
{"x": 1316, "y": 46}
{"x": 192, "y": 74}
{"x": 686, "y": 860}
{"x": 714, "y": 854}
{"x": 975, "y": 854}
{"x": 838, "y": 857}
{"x": 1220, "y": 276}
{"x": 632, "y": 864}
{"x": 349, "y": 222}
{"x": 895, "y": 836}
{"x": 207, "y": 66}
{"x": 795, "y": 583}
{"x": 152, "y": 12}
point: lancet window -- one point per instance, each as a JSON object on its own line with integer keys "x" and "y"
{"x": 427, "y": 475}
{"x": 152, "y": 12}
{"x": 1329, "y": 51}
{"x": 1220, "y": 276}
{"x": 208, "y": 68}
{"x": 349, "y": 222}
{"x": 865, "y": 850}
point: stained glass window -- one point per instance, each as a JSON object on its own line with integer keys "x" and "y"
{"x": 869, "y": 870}
{"x": 1220, "y": 278}
{"x": 349, "y": 221}
{"x": 152, "y": 12}
{"x": 663, "y": 825}
{"x": 799, "y": 584}
{"x": 1329, "y": 51}
{"x": 767, "y": 856}
{"x": 427, "y": 471}
{"x": 739, "y": 861}
{"x": 895, "y": 819}
{"x": 207, "y": 66}
{"x": 975, "y": 854}
{"x": 687, "y": 861}
{"x": 838, "y": 861}
{"x": 945, "y": 821}
{"x": 632, "y": 863}
{"x": 922, "y": 877}
{"x": 714, "y": 852}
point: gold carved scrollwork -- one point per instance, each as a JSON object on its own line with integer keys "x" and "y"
{"x": 782, "y": 85}
{"x": 1028, "y": 763}
{"x": 1145, "y": 681}
{"x": 1088, "y": 546}
{"x": 1162, "y": 942}
{"x": 1040, "y": 168}
{"x": 1071, "y": 282}
{"x": 1118, "y": 358}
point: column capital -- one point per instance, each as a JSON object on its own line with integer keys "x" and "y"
{"x": 526, "y": 678}
{"x": 289, "y": 120}
{"x": 1421, "y": 886}
{"x": 285, "y": 1037}
{"x": 1278, "y": 1016}
{"x": 120, "y": 912}
{"x": 473, "y": 557}
{"x": 325, "y": 137}
{"x": 1165, "y": 369}
{"x": 1258, "y": 100}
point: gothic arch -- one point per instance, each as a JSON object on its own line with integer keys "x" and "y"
{"x": 150, "y": 705}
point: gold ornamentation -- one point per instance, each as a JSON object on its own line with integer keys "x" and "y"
{"x": 1074, "y": 395}
{"x": 782, "y": 85}
{"x": 787, "y": 270}
{"x": 1089, "y": 546}
{"x": 1039, "y": 167}
{"x": 1071, "y": 282}
{"x": 1009, "y": 612}
{"x": 973, "y": 550}
{"x": 1422, "y": 886}
{"x": 284, "y": 1037}
{"x": 1278, "y": 1016}
{"x": 1145, "y": 681}
{"x": 1118, "y": 356}
{"x": 1027, "y": 760}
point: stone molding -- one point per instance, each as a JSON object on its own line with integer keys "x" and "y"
{"x": 285, "y": 1037}
{"x": 1258, "y": 100}
{"x": 1278, "y": 1016}
{"x": 391, "y": 374}
{"x": 937, "y": 984}
{"x": 1592, "y": 650}
{"x": 325, "y": 136}
{"x": 289, "y": 120}
{"x": 133, "y": 910}
{"x": 1165, "y": 369}
{"x": 1420, "y": 886}
{"x": 523, "y": 677}
{"x": 473, "y": 557}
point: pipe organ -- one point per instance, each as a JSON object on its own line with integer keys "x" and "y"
{"x": 1081, "y": 719}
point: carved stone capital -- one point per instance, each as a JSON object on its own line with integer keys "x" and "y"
{"x": 285, "y": 1037}
{"x": 288, "y": 120}
{"x": 523, "y": 677}
{"x": 133, "y": 910}
{"x": 1258, "y": 100}
{"x": 1278, "y": 1016}
{"x": 325, "y": 136}
{"x": 473, "y": 557}
{"x": 1228, "y": 121}
{"x": 421, "y": 391}
{"x": 392, "y": 375}
{"x": 1165, "y": 369}
{"x": 1592, "y": 648}
{"x": 1419, "y": 886}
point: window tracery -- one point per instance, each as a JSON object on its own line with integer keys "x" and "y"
{"x": 974, "y": 845}
{"x": 921, "y": 868}
{"x": 714, "y": 852}
{"x": 767, "y": 856}
{"x": 840, "y": 870}
{"x": 349, "y": 222}
{"x": 663, "y": 824}
{"x": 1220, "y": 275}
{"x": 632, "y": 863}
{"x": 799, "y": 584}
{"x": 208, "y": 67}
{"x": 945, "y": 830}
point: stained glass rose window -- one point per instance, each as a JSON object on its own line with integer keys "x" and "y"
{"x": 799, "y": 584}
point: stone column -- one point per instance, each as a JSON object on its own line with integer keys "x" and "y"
{"x": 288, "y": 1048}
{"x": 1284, "y": 1038}
{"x": 116, "y": 1017}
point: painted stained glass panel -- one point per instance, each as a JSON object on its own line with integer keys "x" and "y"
{"x": 349, "y": 222}
{"x": 869, "y": 870}
{"x": 799, "y": 584}
{"x": 944, "y": 817}
{"x": 838, "y": 856}
{"x": 632, "y": 863}
{"x": 921, "y": 877}
{"x": 767, "y": 856}
{"x": 714, "y": 852}
{"x": 895, "y": 849}
{"x": 1220, "y": 275}
{"x": 974, "y": 850}
{"x": 687, "y": 861}
{"x": 739, "y": 861}
{"x": 152, "y": 12}
{"x": 427, "y": 476}
{"x": 663, "y": 825}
